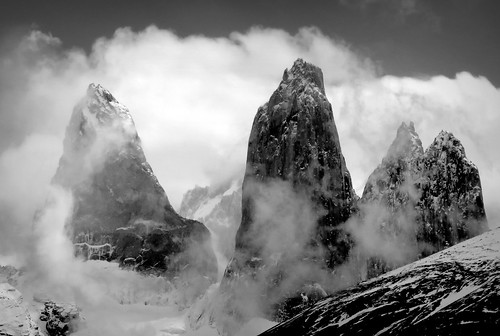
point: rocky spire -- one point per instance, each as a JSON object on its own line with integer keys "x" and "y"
{"x": 399, "y": 164}
{"x": 387, "y": 207}
{"x": 407, "y": 144}
{"x": 294, "y": 138}
{"x": 451, "y": 205}
{"x": 296, "y": 185}
{"x": 121, "y": 211}
{"x": 421, "y": 202}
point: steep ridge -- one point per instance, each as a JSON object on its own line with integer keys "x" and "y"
{"x": 421, "y": 202}
{"x": 453, "y": 292}
{"x": 389, "y": 201}
{"x": 120, "y": 211}
{"x": 296, "y": 193}
{"x": 451, "y": 204}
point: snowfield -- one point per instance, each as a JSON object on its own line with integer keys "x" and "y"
{"x": 453, "y": 292}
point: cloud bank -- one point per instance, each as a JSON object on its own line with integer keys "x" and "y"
{"x": 193, "y": 100}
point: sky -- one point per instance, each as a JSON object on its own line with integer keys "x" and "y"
{"x": 193, "y": 74}
{"x": 404, "y": 37}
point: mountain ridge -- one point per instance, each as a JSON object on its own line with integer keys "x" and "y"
{"x": 452, "y": 292}
{"x": 121, "y": 212}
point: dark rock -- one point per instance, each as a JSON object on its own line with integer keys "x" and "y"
{"x": 453, "y": 292}
{"x": 120, "y": 210}
{"x": 297, "y": 192}
{"x": 451, "y": 206}
{"x": 420, "y": 203}
{"x": 61, "y": 318}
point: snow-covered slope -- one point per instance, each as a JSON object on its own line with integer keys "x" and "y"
{"x": 220, "y": 210}
{"x": 453, "y": 292}
{"x": 15, "y": 318}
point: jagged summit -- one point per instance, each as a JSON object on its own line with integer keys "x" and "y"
{"x": 296, "y": 185}
{"x": 429, "y": 200}
{"x": 101, "y": 103}
{"x": 399, "y": 165}
{"x": 447, "y": 142}
{"x": 302, "y": 72}
{"x": 301, "y": 90}
{"x": 99, "y": 91}
{"x": 120, "y": 209}
{"x": 406, "y": 144}
{"x": 99, "y": 127}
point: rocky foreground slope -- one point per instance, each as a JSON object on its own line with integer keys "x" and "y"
{"x": 15, "y": 318}
{"x": 453, "y": 292}
{"x": 420, "y": 202}
{"x": 296, "y": 193}
{"x": 120, "y": 211}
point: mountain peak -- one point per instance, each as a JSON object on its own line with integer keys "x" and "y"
{"x": 306, "y": 73}
{"x": 404, "y": 127}
{"x": 294, "y": 150}
{"x": 97, "y": 90}
{"x": 407, "y": 142}
{"x": 106, "y": 109}
{"x": 121, "y": 211}
{"x": 446, "y": 141}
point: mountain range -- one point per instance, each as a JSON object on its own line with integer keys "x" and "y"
{"x": 291, "y": 242}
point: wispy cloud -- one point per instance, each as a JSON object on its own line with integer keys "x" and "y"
{"x": 193, "y": 100}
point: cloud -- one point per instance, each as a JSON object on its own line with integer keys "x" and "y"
{"x": 467, "y": 106}
{"x": 193, "y": 100}
{"x": 25, "y": 174}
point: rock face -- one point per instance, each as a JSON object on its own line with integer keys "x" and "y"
{"x": 451, "y": 204}
{"x": 421, "y": 202}
{"x": 296, "y": 192}
{"x": 219, "y": 208}
{"x": 120, "y": 210}
{"x": 453, "y": 292}
{"x": 61, "y": 319}
{"x": 15, "y": 319}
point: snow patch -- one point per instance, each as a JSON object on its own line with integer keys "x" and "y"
{"x": 455, "y": 296}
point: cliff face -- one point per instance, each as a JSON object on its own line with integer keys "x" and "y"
{"x": 424, "y": 201}
{"x": 294, "y": 139}
{"x": 296, "y": 193}
{"x": 451, "y": 205}
{"x": 120, "y": 210}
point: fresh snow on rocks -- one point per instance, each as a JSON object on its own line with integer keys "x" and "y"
{"x": 120, "y": 211}
{"x": 452, "y": 292}
{"x": 416, "y": 203}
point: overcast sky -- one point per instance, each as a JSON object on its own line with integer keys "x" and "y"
{"x": 193, "y": 74}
